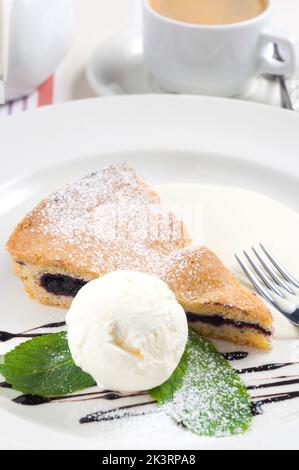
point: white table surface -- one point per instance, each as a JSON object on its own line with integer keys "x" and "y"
{"x": 96, "y": 20}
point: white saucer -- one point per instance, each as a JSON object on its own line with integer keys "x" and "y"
{"x": 116, "y": 68}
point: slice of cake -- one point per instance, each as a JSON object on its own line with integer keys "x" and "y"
{"x": 107, "y": 221}
{"x": 112, "y": 220}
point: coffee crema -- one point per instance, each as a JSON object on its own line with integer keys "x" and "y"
{"x": 209, "y": 12}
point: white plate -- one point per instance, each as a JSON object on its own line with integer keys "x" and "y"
{"x": 168, "y": 139}
{"x": 117, "y": 68}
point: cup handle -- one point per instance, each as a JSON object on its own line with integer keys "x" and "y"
{"x": 287, "y": 45}
{"x": 6, "y": 8}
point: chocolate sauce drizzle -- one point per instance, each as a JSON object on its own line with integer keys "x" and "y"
{"x": 35, "y": 400}
{"x": 265, "y": 368}
{"x": 269, "y": 384}
{"x": 49, "y": 326}
{"x": 7, "y": 336}
{"x": 117, "y": 413}
{"x": 235, "y": 356}
{"x": 5, "y": 385}
{"x": 257, "y": 406}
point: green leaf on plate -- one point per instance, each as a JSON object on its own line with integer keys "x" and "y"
{"x": 44, "y": 366}
{"x": 204, "y": 394}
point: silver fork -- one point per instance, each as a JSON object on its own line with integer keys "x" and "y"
{"x": 272, "y": 281}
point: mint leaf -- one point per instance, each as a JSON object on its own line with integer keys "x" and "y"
{"x": 166, "y": 392}
{"x": 44, "y": 366}
{"x": 204, "y": 394}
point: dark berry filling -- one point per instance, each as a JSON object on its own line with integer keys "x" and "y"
{"x": 59, "y": 284}
{"x": 218, "y": 321}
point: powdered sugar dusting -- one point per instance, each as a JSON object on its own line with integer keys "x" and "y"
{"x": 109, "y": 220}
{"x": 196, "y": 272}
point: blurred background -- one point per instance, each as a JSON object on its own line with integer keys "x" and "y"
{"x": 96, "y": 21}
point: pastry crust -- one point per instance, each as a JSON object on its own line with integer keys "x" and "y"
{"x": 246, "y": 337}
{"x": 203, "y": 285}
{"x": 112, "y": 220}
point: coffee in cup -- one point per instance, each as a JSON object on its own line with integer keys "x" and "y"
{"x": 209, "y": 11}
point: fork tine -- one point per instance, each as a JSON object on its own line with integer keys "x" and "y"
{"x": 280, "y": 268}
{"x": 264, "y": 278}
{"x": 272, "y": 273}
{"x": 259, "y": 287}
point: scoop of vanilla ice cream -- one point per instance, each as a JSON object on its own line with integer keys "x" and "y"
{"x": 127, "y": 331}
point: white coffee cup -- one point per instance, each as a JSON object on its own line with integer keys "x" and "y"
{"x": 219, "y": 60}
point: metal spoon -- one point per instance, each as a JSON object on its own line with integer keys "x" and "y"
{"x": 286, "y": 102}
